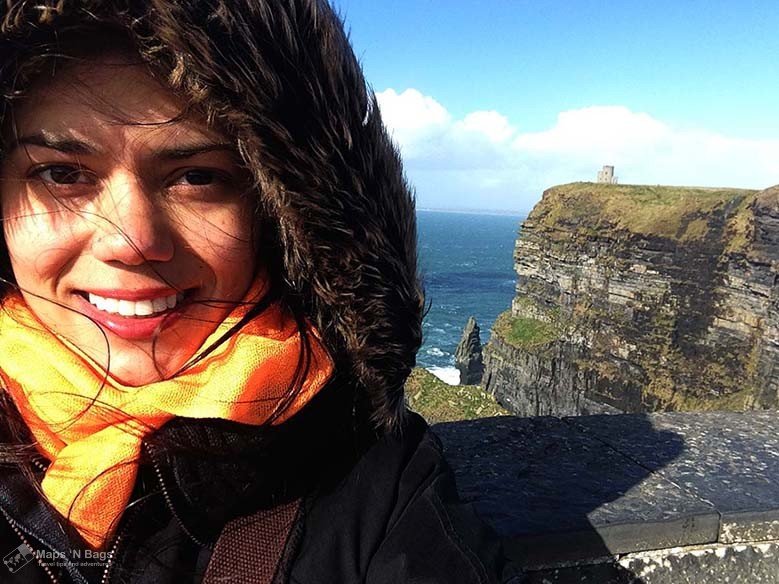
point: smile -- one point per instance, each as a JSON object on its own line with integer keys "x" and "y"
{"x": 123, "y": 307}
{"x": 135, "y": 315}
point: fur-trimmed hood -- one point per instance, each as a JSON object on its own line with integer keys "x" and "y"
{"x": 280, "y": 76}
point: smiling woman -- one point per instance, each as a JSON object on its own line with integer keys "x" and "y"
{"x": 131, "y": 240}
{"x": 210, "y": 305}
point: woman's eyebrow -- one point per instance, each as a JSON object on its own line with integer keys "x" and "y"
{"x": 70, "y": 145}
{"x": 66, "y": 144}
{"x": 187, "y": 151}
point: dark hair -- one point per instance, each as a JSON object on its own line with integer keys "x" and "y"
{"x": 40, "y": 57}
{"x": 337, "y": 217}
{"x": 281, "y": 79}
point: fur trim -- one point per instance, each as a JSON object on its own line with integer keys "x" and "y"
{"x": 280, "y": 76}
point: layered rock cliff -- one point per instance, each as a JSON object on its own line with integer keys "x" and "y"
{"x": 641, "y": 298}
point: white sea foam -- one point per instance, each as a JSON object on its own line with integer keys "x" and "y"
{"x": 435, "y": 351}
{"x": 448, "y": 375}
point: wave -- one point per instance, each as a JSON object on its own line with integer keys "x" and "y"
{"x": 450, "y": 375}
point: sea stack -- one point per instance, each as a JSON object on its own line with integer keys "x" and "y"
{"x": 467, "y": 357}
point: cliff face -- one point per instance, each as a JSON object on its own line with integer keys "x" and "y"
{"x": 634, "y": 299}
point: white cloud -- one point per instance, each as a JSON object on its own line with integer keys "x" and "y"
{"x": 483, "y": 161}
{"x": 416, "y": 121}
{"x": 491, "y": 124}
{"x": 599, "y": 130}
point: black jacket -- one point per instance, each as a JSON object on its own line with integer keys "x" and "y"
{"x": 390, "y": 517}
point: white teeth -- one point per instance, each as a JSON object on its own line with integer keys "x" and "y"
{"x": 159, "y": 304}
{"x": 97, "y": 300}
{"x": 133, "y": 308}
{"x": 144, "y": 308}
{"x": 110, "y": 305}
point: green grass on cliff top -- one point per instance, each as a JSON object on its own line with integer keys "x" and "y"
{"x": 437, "y": 401}
{"x": 523, "y": 332}
{"x": 681, "y": 213}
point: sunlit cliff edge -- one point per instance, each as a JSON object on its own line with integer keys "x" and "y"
{"x": 641, "y": 298}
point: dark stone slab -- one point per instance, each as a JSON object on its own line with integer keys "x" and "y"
{"x": 729, "y": 459}
{"x": 557, "y": 492}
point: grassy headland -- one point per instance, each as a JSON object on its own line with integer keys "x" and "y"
{"x": 679, "y": 213}
{"x": 437, "y": 401}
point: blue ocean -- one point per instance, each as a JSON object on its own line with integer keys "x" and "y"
{"x": 466, "y": 262}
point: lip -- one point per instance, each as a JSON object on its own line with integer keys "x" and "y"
{"x": 135, "y": 328}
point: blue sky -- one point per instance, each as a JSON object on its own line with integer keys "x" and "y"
{"x": 495, "y": 100}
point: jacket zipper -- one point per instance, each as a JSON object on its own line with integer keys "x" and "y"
{"x": 26, "y": 542}
{"x": 114, "y": 548}
{"x": 168, "y": 503}
{"x": 168, "y": 500}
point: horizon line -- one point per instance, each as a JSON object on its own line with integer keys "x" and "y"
{"x": 471, "y": 211}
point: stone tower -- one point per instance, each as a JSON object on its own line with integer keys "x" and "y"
{"x": 607, "y": 175}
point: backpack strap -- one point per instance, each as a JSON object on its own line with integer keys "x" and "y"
{"x": 254, "y": 549}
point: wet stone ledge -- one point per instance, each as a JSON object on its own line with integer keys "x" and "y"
{"x": 643, "y": 498}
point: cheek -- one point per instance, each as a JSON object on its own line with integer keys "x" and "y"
{"x": 41, "y": 241}
{"x": 223, "y": 239}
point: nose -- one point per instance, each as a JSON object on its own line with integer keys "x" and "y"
{"x": 131, "y": 229}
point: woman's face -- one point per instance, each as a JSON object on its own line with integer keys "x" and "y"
{"x": 122, "y": 224}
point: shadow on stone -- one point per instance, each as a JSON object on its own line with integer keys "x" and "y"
{"x": 566, "y": 498}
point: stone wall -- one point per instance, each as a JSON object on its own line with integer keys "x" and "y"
{"x": 666, "y": 498}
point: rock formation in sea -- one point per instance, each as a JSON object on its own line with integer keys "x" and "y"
{"x": 468, "y": 356}
{"x": 641, "y": 298}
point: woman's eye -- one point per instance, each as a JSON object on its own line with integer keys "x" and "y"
{"x": 197, "y": 178}
{"x": 203, "y": 184}
{"x": 64, "y": 175}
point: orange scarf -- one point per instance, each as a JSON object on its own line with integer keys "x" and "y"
{"x": 94, "y": 447}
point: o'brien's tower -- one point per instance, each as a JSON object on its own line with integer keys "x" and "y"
{"x": 607, "y": 175}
